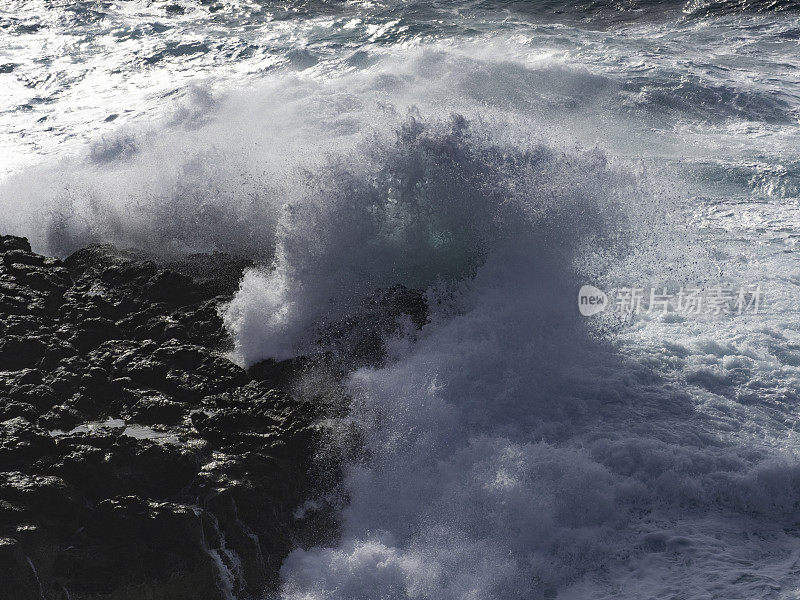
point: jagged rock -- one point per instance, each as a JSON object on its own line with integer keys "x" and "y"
{"x": 22, "y": 442}
{"x": 18, "y": 352}
{"x": 136, "y": 460}
{"x": 19, "y": 579}
{"x": 11, "y": 408}
{"x": 359, "y": 340}
{"x": 93, "y": 332}
{"x": 153, "y": 550}
{"x": 12, "y": 242}
{"x": 47, "y": 500}
{"x": 153, "y": 407}
{"x": 255, "y": 417}
{"x": 61, "y": 417}
{"x": 115, "y": 400}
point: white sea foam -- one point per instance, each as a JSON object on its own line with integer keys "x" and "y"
{"x": 511, "y": 455}
{"x": 510, "y": 452}
{"x": 426, "y": 205}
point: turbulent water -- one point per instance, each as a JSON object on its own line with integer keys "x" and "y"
{"x": 498, "y": 155}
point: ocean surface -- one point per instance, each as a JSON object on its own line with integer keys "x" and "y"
{"x": 499, "y": 155}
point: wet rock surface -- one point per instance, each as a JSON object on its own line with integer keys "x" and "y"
{"x": 137, "y": 461}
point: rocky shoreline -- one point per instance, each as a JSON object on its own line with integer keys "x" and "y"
{"x": 136, "y": 460}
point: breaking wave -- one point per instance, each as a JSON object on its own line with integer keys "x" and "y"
{"x": 509, "y": 448}
{"x": 426, "y": 207}
{"x": 507, "y": 451}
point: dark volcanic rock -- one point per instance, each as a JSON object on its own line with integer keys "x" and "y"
{"x": 137, "y": 461}
{"x": 10, "y": 242}
{"x": 359, "y": 340}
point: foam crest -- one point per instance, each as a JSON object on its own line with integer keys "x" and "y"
{"x": 427, "y": 205}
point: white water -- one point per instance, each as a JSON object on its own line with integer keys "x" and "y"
{"x": 512, "y": 451}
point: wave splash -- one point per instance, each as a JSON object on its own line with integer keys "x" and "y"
{"x": 507, "y": 452}
{"x": 456, "y": 494}
{"x": 457, "y": 499}
{"x": 510, "y": 454}
{"x": 430, "y": 205}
